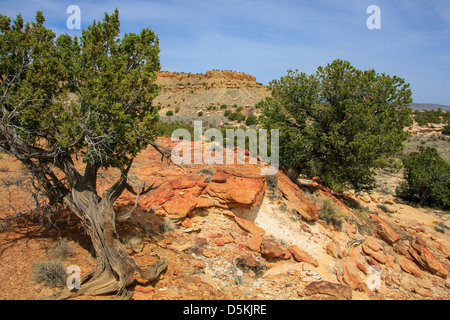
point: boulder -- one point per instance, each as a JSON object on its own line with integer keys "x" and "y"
{"x": 384, "y": 231}
{"x": 283, "y": 269}
{"x": 249, "y": 226}
{"x": 402, "y": 251}
{"x": 426, "y": 259}
{"x": 179, "y": 207}
{"x": 350, "y": 273}
{"x": 234, "y": 192}
{"x": 303, "y": 205}
{"x": 271, "y": 249}
{"x": 338, "y": 203}
{"x": 254, "y": 243}
{"x": 410, "y": 267}
{"x": 373, "y": 244}
{"x": 377, "y": 255}
{"x": 423, "y": 292}
{"x": 337, "y": 290}
{"x": 302, "y": 256}
{"x": 334, "y": 250}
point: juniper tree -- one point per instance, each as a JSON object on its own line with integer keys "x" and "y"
{"x": 89, "y": 97}
{"x": 338, "y": 123}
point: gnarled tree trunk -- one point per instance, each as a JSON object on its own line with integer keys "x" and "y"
{"x": 114, "y": 269}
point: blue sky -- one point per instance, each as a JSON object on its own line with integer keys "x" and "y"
{"x": 265, "y": 38}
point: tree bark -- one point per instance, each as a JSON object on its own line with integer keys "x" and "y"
{"x": 115, "y": 269}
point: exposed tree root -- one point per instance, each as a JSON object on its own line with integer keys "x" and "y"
{"x": 108, "y": 283}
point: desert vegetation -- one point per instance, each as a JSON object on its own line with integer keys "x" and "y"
{"x": 338, "y": 123}
{"x": 427, "y": 179}
{"x": 64, "y": 98}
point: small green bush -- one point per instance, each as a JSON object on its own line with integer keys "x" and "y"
{"x": 236, "y": 116}
{"x": 224, "y": 106}
{"x": 227, "y": 113}
{"x": 427, "y": 179}
{"x": 251, "y": 120}
{"x": 166, "y": 128}
{"x": 423, "y": 118}
{"x": 51, "y": 273}
{"x": 200, "y": 114}
{"x": 446, "y": 129}
{"x": 169, "y": 113}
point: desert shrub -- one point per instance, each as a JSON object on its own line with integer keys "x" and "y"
{"x": 239, "y": 117}
{"x": 227, "y": 113}
{"x": 166, "y": 128}
{"x": 224, "y": 106}
{"x": 207, "y": 171}
{"x": 251, "y": 120}
{"x": 338, "y": 122}
{"x": 200, "y": 113}
{"x": 423, "y": 118}
{"x": 4, "y": 225}
{"x": 169, "y": 113}
{"x": 62, "y": 250}
{"x": 331, "y": 213}
{"x": 51, "y": 273}
{"x": 177, "y": 109}
{"x": 446, "y": 129}
{"x": 427, "y": 179}
{"x": 272, "y": 182}
{"x": 362, "y": 221}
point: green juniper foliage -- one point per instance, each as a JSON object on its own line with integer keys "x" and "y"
{"x": 91, "y": 94}
{"x": 66, "y": 98}
{"x": 338, "y": 123}
{"x": 427, "y": 179}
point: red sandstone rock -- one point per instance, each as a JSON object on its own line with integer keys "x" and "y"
{"x": 373, "y": 244}
{"x": 249, "y": 226}
{"x": 402, "y": 251}
{"x": 426, "y": 259}
{"x": 254, "y": 243}
{"x": 180, "y": 207}
{"x": 235, "y": 192}
{"x": 350, "y": 273}
{"x": 384, "y": 230}
{"x": 302, "y": 256}
{"x": 304, "y": 206}
{"x": 423, "y": 292}
{"x": 342, "y": 207}
{"x": 271, "y": 249}
{"x": 337, "y": 290}
{"x": 410, "y": 267}
{"x": 377, "y": 255}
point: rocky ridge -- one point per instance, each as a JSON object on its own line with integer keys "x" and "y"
{"x": 192, "y": 92}
{"x": 230, "y": 232}
{"x": 242, "y": 235}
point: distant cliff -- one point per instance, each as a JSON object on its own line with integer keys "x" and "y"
{"x": 191, "y": 92}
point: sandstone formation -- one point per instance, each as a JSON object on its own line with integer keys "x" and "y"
{"x": 228, "y": 235}
{"x": 192, "y": 92}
